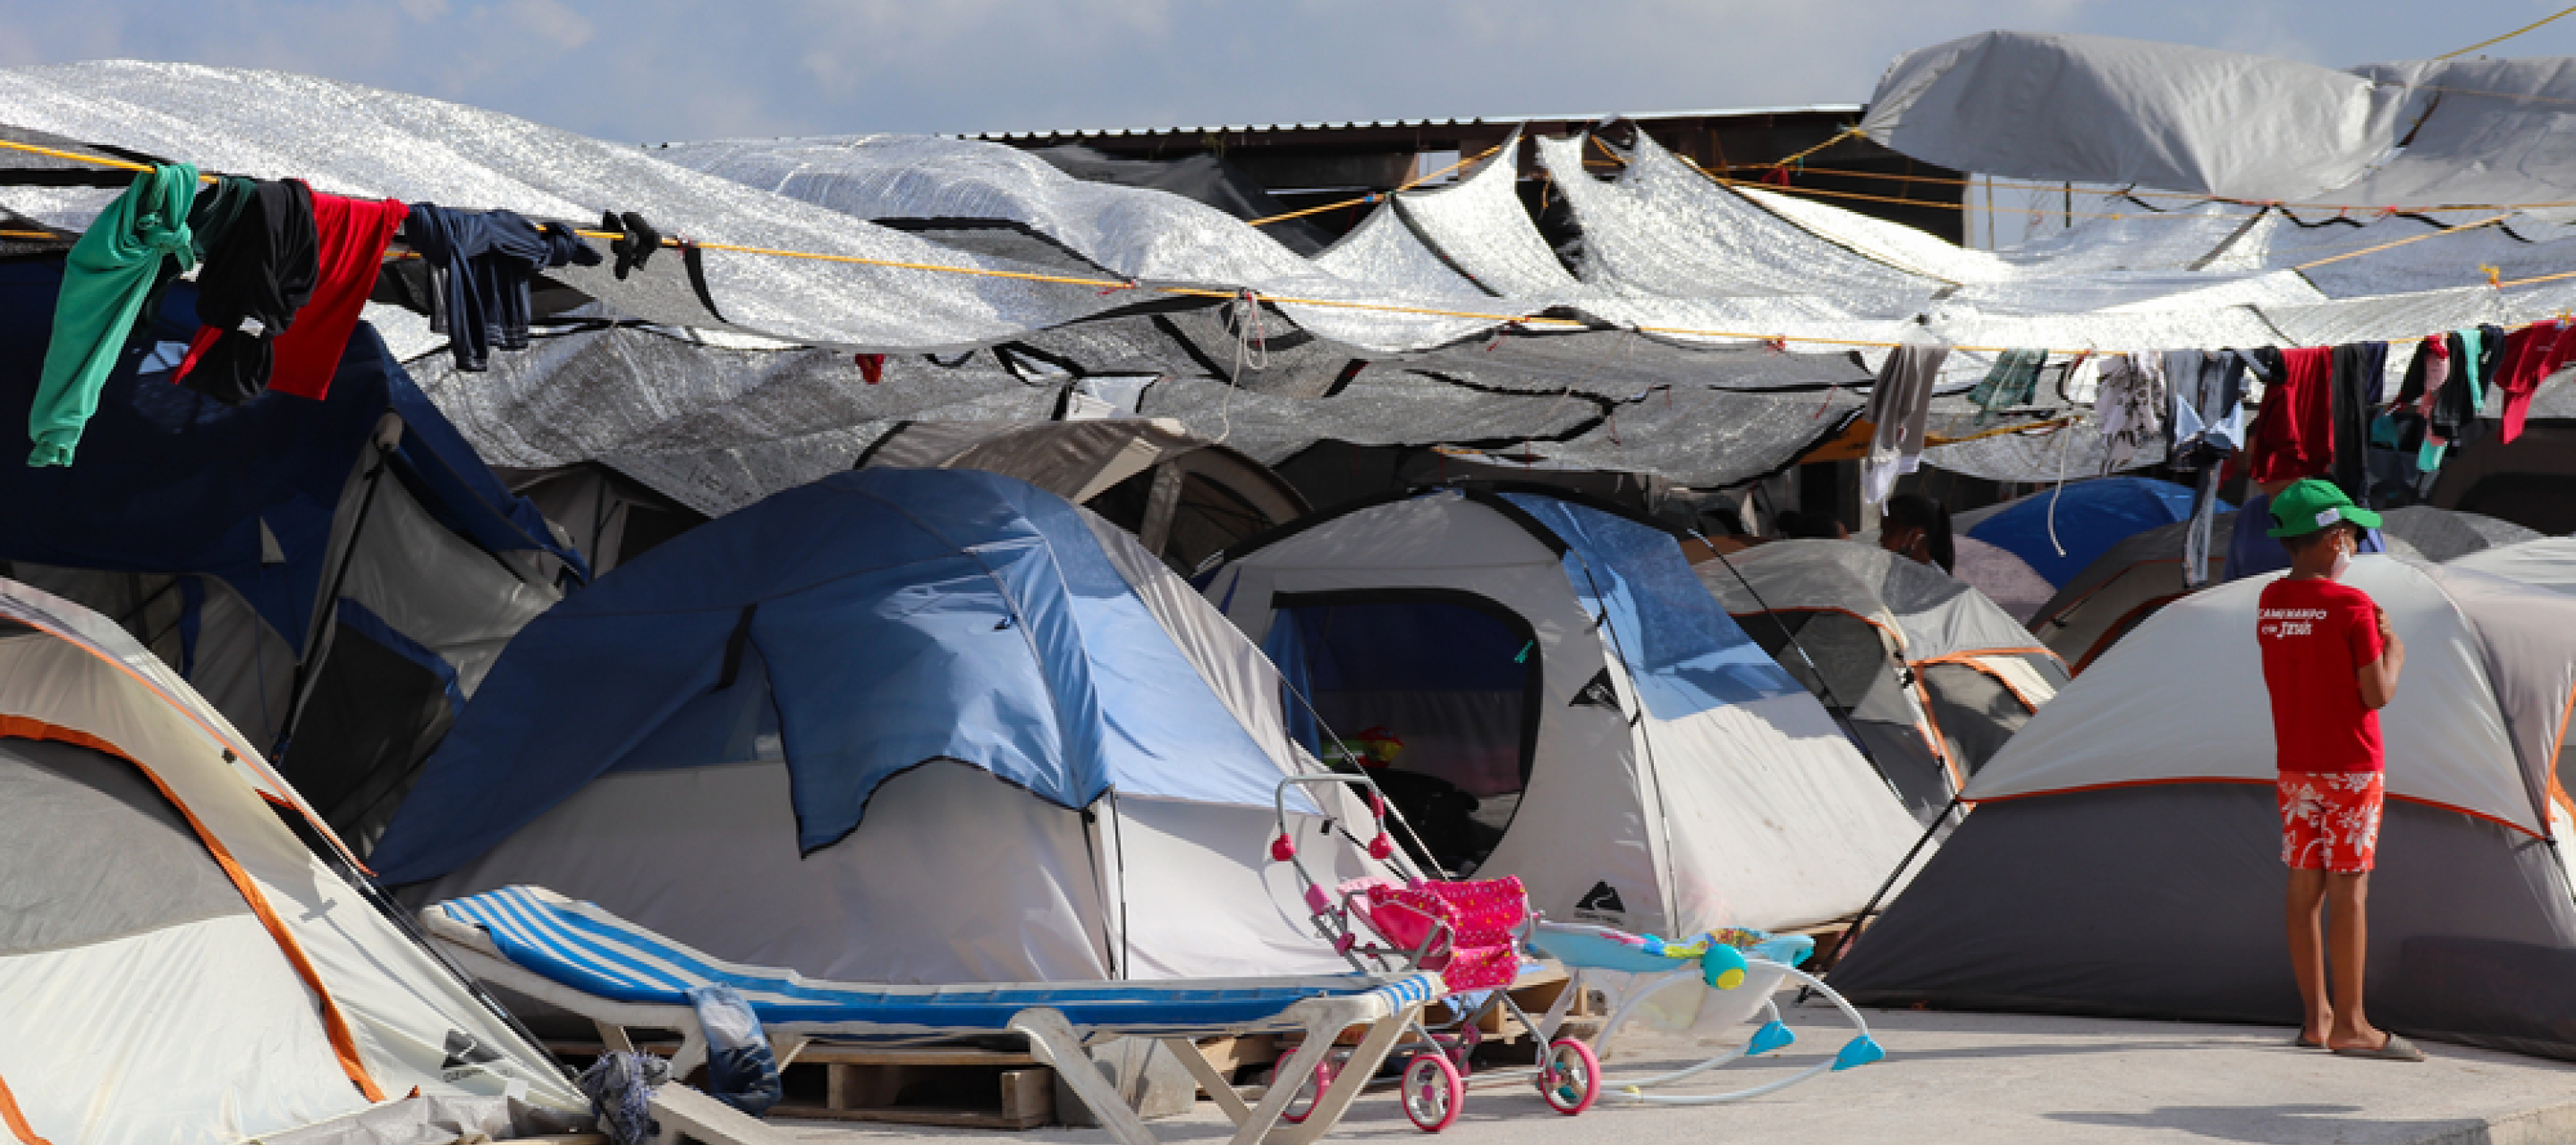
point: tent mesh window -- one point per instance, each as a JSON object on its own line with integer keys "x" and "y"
{"x": 1435, "y": 692}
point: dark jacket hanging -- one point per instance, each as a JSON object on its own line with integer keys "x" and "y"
{"x": 259, "y": 272}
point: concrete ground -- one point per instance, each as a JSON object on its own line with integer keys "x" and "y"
{"x": 1979, "y": 1077}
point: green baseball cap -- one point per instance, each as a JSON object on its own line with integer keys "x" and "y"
{"x": 2310, "y": 505}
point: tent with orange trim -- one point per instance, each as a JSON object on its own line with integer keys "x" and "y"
{"x": 186, "y": 953}
{"x": 2124, "y": 855}
{"x": 2132, "y": 579}
{"x": 1926, "y": 673}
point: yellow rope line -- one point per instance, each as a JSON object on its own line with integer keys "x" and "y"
{"x": 2404, "y": 241}
{"x": 2535, "y": 281}
{"x": 1373, "y": 196}
{"x": 1837, "y": 137}
{"x": 1266, "y": 220}
{"x": 1998, "y": 431}
{"x": 2506, "y": 36}
{"x": 74, "y": 156}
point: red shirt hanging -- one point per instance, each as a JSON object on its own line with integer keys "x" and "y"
{"x": 353, "y": 235}
{"x": 2294, "y": 431}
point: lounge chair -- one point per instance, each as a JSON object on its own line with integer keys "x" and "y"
{"x": 581, "y": 958}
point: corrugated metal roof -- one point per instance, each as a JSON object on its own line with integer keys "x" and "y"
{"x": 1380, "y": 124}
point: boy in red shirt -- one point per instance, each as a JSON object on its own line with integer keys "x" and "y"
{"x": 2330, "y": 662}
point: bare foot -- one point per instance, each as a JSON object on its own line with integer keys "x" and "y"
{"x": 2317, "y": 1028}
{"x": 2357, "y": 1036}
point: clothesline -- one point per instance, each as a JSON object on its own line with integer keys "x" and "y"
{"x": 1106, "y": 285}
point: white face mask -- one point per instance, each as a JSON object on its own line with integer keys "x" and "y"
{"x": 2342, "y": 561}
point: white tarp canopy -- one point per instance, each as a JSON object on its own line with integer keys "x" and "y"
{"x": 1446, "y": 318}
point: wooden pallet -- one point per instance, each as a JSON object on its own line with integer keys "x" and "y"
{"x": 912, "y": 1085}
{"x": 929, "y": 1086}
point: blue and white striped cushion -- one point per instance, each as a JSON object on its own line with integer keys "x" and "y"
{"x": 581, "y": 946}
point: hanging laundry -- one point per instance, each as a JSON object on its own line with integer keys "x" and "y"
{"x": 2358, "y": 374}
{"x": 2455, "y": 406}
{"x": 2397, "y": 432}
{"x": 257, "y": 275}
{"x": 2197, "y": 535}
{"x": 1897, "y": 406}
{"x": 480, "y": 264}
{"x": 2080, "y": 381}
{"x": 2208, "y": 393}
{"x": 2293, "y": 434}
{"x": 218, "y": 204}
{"x": 108, "y": 274}
{"x": 2132, "y": 408}
{"x": 2010, "y": 384}
{"x": 635, "y": 242}
{"x": 2531, "y": 355}
{"x": 352, "y": 235}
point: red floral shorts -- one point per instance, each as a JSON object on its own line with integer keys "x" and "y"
{"x": 2330, "y": 820}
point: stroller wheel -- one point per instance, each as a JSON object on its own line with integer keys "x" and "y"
{"x": 1433, "y": 1091}
{"x": 1309, "y": 1091}
{"x": 1570, "y": 1078}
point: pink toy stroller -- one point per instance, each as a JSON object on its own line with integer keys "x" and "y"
{"x": 1471, "y": 933}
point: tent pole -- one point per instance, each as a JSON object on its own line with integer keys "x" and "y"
{"x": 1834, "y": 956}
{"x": 1812, "y": 666}
{"x": 308, "y": 669}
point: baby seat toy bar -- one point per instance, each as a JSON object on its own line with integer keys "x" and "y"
{"x": 619, "y": 975}
{"x": 1475, "y": 934}
{"x": 1738, "y": 975}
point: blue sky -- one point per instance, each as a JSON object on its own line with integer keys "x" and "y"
{"x": 652, "y": 70}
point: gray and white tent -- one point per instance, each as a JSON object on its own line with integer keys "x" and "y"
{"x": 2127, "y": 584}
{"x": 2544, "y": 562}
{"x": 177, "y": 964}
{"x": 1930, "y": 676}
{"x": 1574, "y": 709}
{"x": 2124, "y": 856}
{"x": 1182, "y": 495}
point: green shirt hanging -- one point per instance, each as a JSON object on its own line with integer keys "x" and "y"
{"x": 111, "y": 271}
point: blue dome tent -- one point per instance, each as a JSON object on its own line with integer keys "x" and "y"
{"x": 778, "y": 737}
{"x": 2090, "y": 517}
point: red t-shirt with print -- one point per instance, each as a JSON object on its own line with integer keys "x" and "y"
{"x": 2316, "y": 635}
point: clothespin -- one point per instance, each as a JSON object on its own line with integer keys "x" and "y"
{"x": 2495, "y": 277}
{"x": 1776, "y": 345}
{"x": 1116, "y": 289}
